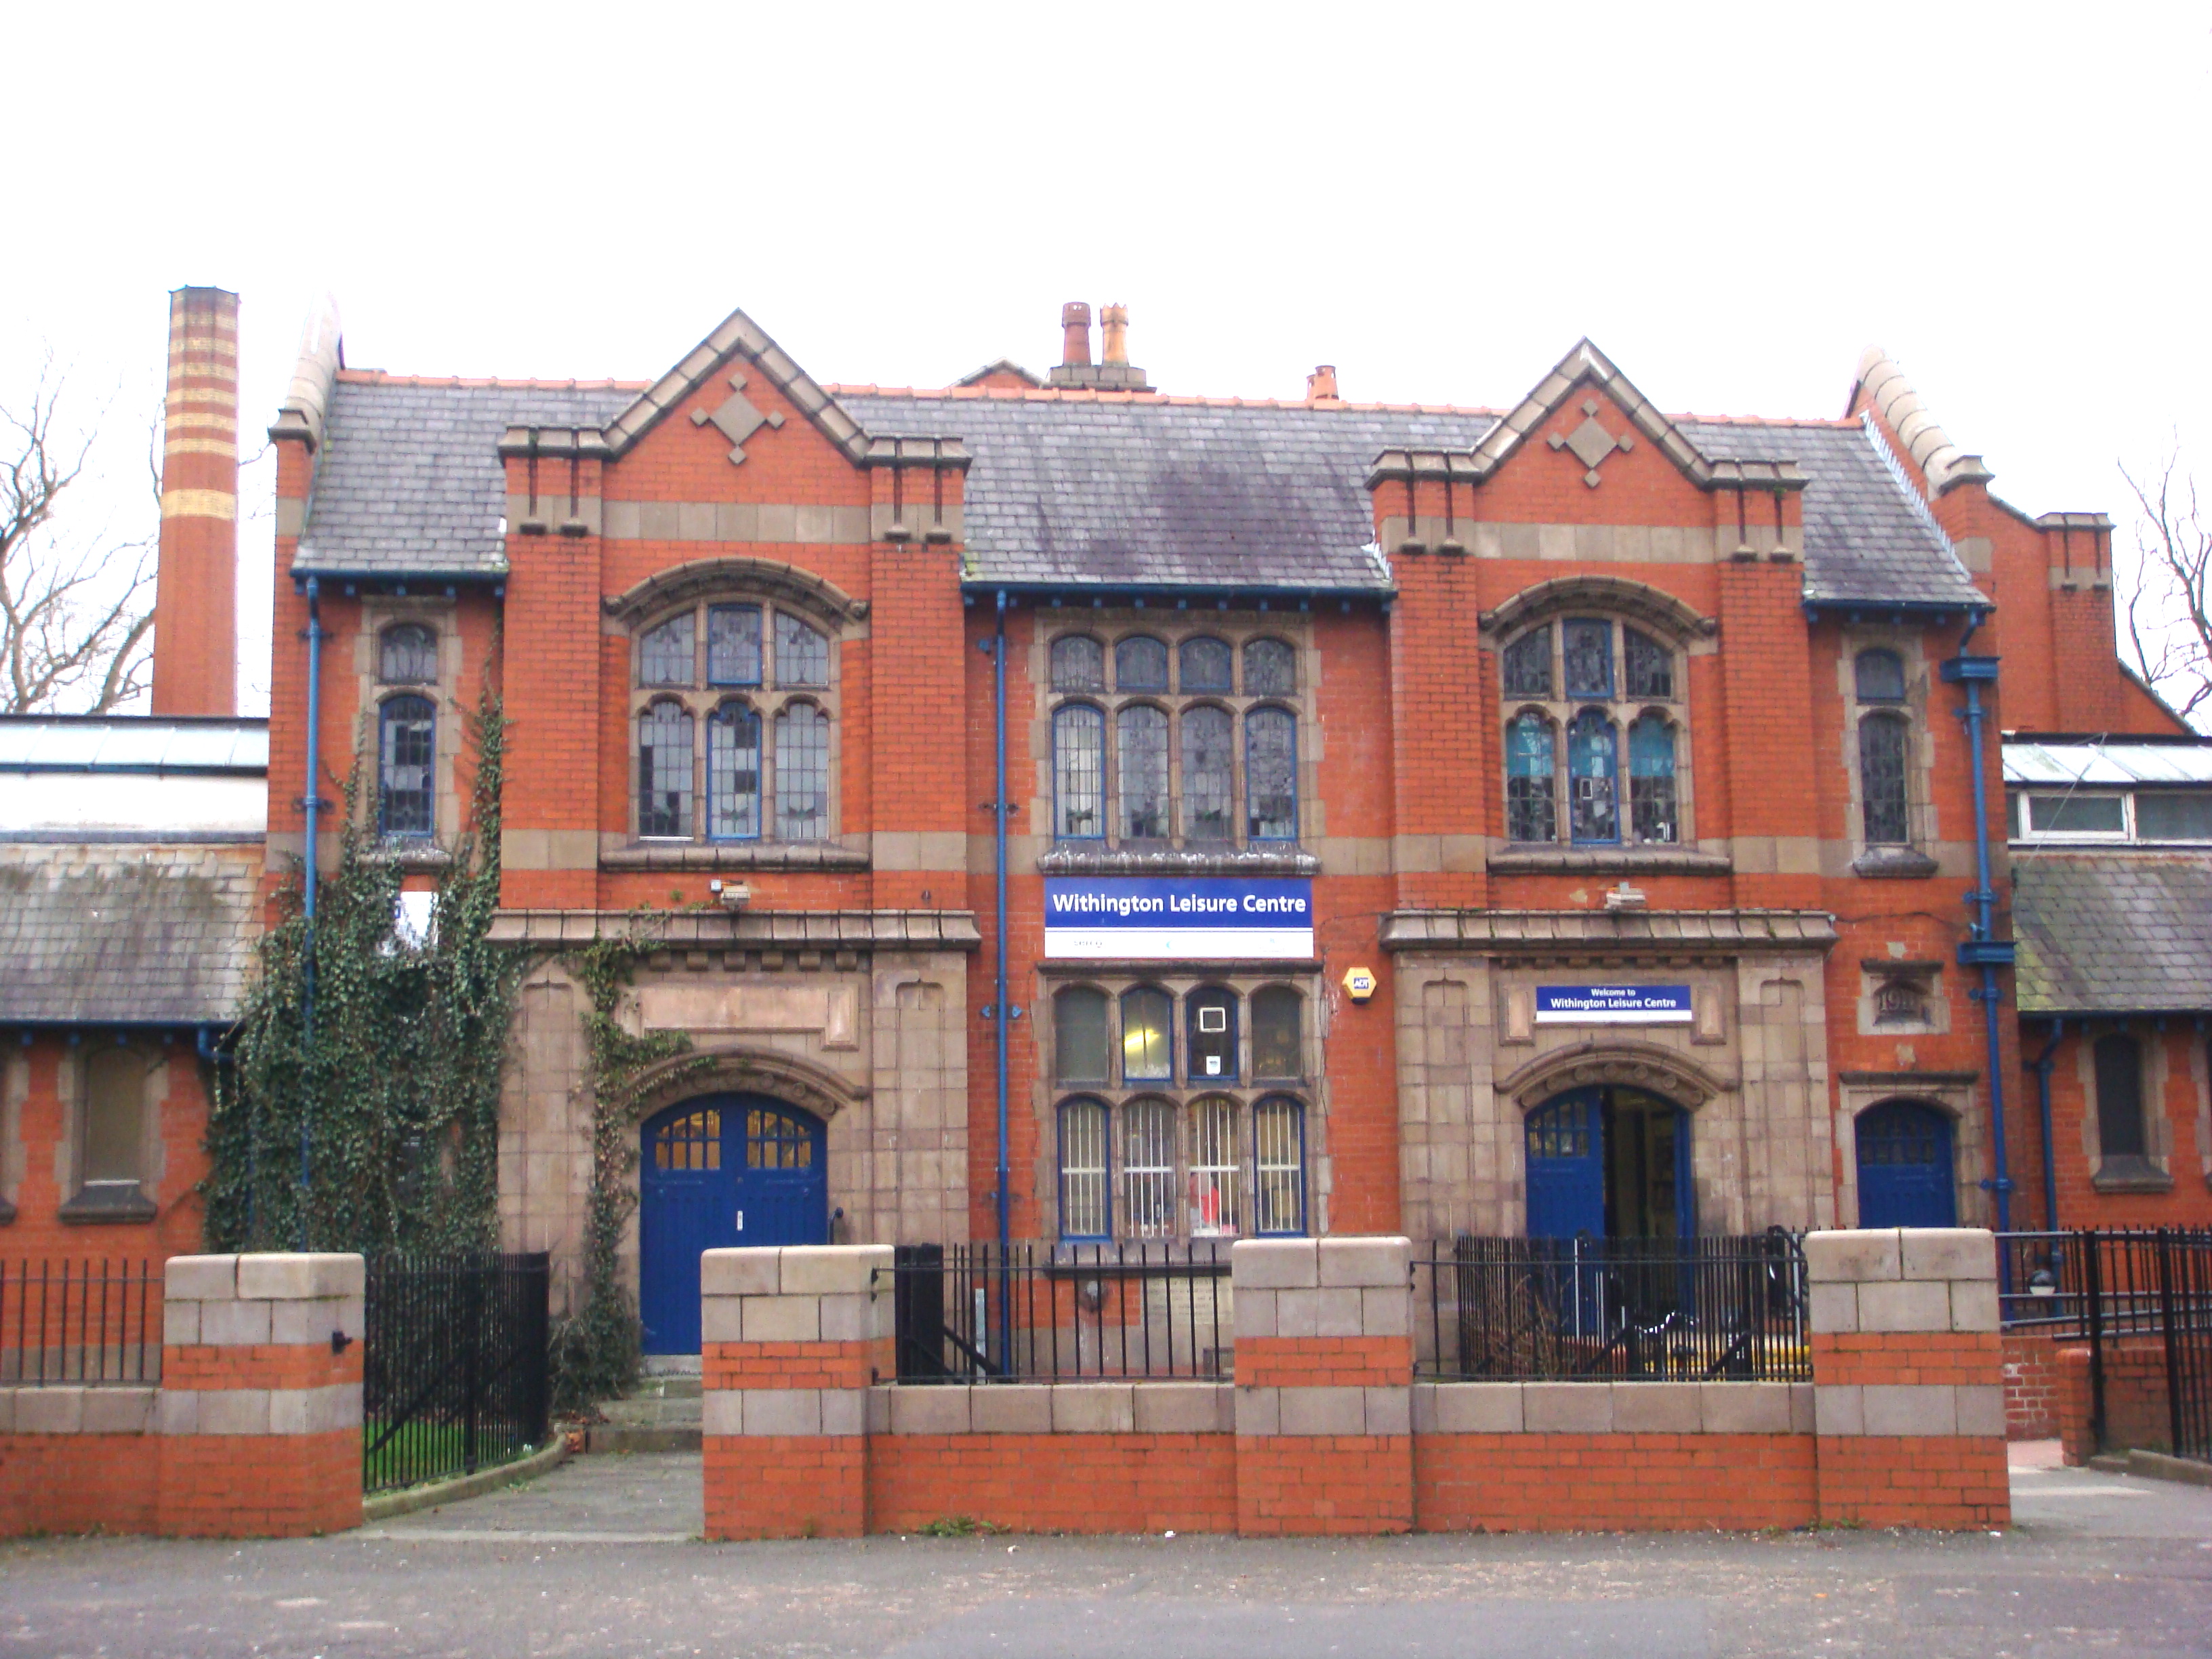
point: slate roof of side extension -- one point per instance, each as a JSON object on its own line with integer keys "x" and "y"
{"x": 108, "y": 935}
{"x": 409, "y": 482}
{"x": 2113, "y": 932}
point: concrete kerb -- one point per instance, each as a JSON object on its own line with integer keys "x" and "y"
{"x": 386, "y": 1505}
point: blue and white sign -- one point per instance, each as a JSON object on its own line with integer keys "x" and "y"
{"x": 1613, "y": 1005}
{"x": 1150, "y": 917}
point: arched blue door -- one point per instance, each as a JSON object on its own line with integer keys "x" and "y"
{"x": 717, "y": 1172}
{"x": 1906, "y": 1174}
{"x": 1609, "y": 1163}
{"x": 1566, "y": 1167}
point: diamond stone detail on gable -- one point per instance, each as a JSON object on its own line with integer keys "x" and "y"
{"x": 1591, "y": 443}
{"x": 737, "y": 419}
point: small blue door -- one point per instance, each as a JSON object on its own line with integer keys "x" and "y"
{"x": 1566, "y": 1168}
{"x": 717, "y": 1172}
{"x": 1905, "y": 1178}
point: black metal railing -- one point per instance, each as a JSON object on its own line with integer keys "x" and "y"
{"x": 80, "y": 1321}
{"x": 1612, "y": 1309}
{"x": 453, "y": 1370}
{"x": 968, "y": 1313}
{"x": 2099, "y": 1287}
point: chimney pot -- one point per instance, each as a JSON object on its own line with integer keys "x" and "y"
{"x": 1320, "y": 385}
{"x": 1075, "y": 327}
{"x": 1114, "y": 329}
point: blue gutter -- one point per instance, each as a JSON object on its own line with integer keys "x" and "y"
{"x": 1002, "y": 1015}
{"x": 2041, "y": 1065}
{"x": 311, "y": 801}
{"x": 1984, "y": 950}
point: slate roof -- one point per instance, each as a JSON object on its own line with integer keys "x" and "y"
{"x": 1080, "y": 493}
{"x": 1868, "y": 538}
{"x": 2113, "y": 932}
{"x": 127, "y": 936}
{"x": 409, "y": 481}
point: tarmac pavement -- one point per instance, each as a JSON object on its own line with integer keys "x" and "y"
{"x": 599, "y": 1557}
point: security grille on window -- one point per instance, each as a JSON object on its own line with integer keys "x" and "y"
{"x": 759, "y": 680}
{"x": 1578, "y": 690}
{"x": 1151, "y": 1144}
{"x": 1173, "y": 749}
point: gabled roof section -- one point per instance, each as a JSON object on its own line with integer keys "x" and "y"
{"x": 2069, "y": 907}
{"x": 1003, "y": 372}
{"x": 739, "y": 336}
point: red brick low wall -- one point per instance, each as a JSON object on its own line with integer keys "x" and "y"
{"x": 1613, "y": 1482}
{"x": 77, "y": 1483}
{"x": 2136, "y": 1412}
{"x": 2031, "y": 1386}
{"x": 270, "y": 1485}
{"x": 1082, "y": 1483}
{"x": 777, "y": 1485}
{"x": 1940, "y": 1482}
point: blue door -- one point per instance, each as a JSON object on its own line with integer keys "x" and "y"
{"x": 1905, "y": 1178}
{"x": 1566, "y": 1167}
{"x": 717, "y": 1172}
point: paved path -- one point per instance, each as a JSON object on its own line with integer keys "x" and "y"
{"x": 597, "y": 1558}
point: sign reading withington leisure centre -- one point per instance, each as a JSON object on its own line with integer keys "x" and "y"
{"x": 1613, "y": 1005}
{"x": 1187, "y": 917}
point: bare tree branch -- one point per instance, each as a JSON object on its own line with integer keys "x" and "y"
{"x": 2169, "y": 593}
{"x": 76, "y": 602}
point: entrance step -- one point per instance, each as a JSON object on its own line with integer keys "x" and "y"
{"x": 662, "y": 1413}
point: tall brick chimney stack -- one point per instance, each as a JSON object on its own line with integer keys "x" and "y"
{"x": 1075, "y": 331}
{"x": 196, "y": 589}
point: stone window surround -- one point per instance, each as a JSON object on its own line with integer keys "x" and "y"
{"x": 1620, "y": 709}
{"x": 1925, "y": 977}
{"x": 1236, "y": 629}
{"x": 1180, "y": 1091}
{"x": 441, "y": 615}
{"x": 71, "y": 1080}
{"x": 2155, "y": 1174}
{"x": 1952, "y": 1093}
{"x": 1912, "y": 860}
{"x": 700, "y": 699}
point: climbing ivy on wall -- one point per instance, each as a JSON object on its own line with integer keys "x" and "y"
{"x": 595, "y": 1348}
{"x": 398, "y": 1087}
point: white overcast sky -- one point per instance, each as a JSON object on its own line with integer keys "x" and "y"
{"x": 1731, "y": 200}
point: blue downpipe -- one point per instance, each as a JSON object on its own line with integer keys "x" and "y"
{"x": 311, "y": 804}
{"x": 1985, "y": 951}
{"x": 1001, "y": 1014}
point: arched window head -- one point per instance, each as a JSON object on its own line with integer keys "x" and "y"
{"x": 1078, "y": 664}
{"x": 1528, "y": 664}
{"x": 1141, "y": 747}
{"x": 1882, "y": 789}
{"x": 1651, "y": 666}
{"x": 1651, "y": 781}
{"x": 1531, "y": 789}
{"x": 665, "y": 653}
{"x": 1278, "y": 1164}
{"x": 1212, "y": 1015}
{"x": 1209, "y": 766}
{"x": 802, "y": 773}
{"x": 1080, "y": 1046}
{"x": 663, "y": 769}
{"x": 1147, "y": 1035}
{"x": 1140, "y": 663}
{"x": 2120, "y": 1128}
{"x": 1079, "y": 771}
{"x": 802, "y": 653}
{"x": 1271, "y": 775}
{"x": 1279, "y": 1048}
{"x": 733, "y": 774}
{"x": 1879, "y": 677}
{"x": 1085, "y": 1187}
{"x": 734, "y": 645}
{"x": 1593, "y": 779}
{"x": 1205, "y": 665}
{"x": 1270, "y": 669}
{"x": 406, "y": 766}
{"x": 407, "y": 655}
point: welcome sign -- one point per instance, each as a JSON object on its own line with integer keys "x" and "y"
{"x": 1613, "y": 1005}
{"x": 1170, "y": 917}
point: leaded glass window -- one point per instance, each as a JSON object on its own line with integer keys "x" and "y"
{"x": 665, "y": 653}
{"x": 1209, "y": 764}
{"x": 1593, "y": 777}
{"x": 1085, "y": 1207}
{"x": 734, "y": 645}
{"x": 1879, "y": 677}
{"x": 802, "y": 653}
{"x": 1651, "y": 666}
{"x": 664, "y": 770}
{"x": 1079, "y": 1046}
{"x": 1213, "y": 1035}
{"x": 1205, "y": 663}
{"x": 1278, "y": 1137}
{"x": 1140, "y": 743}
{"x": 1531, "y": 788}
{"x": 1883, "y": 780}
{"x": 1278, "y": 1041}
{"x": 1148, "y": 1168}
{"x": 1147, "y": 1035}
{"x": 1651, "y": 779}
{"x": 1078, "y": 664}
{"x": 1271, "y": 775}
{"x": 407, "y": 753}
{"x": 1270, "y": 669}
{"x": 1586, "y": 644}
{"x": 1216, "y": 1163}
{"x": 733, "y": 774}
{"x": 408, "y": 655}
{"x": 1140, "y": 663}
{"x": 802, "y": 773}
{"x": 1528, "y": 664}
{"x": 1079, "y": 756}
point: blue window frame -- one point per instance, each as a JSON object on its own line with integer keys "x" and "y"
{"x": 1086, "y": 1171}
{"x": 1594, "y": 779}
{"x": 407, "y": 752}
